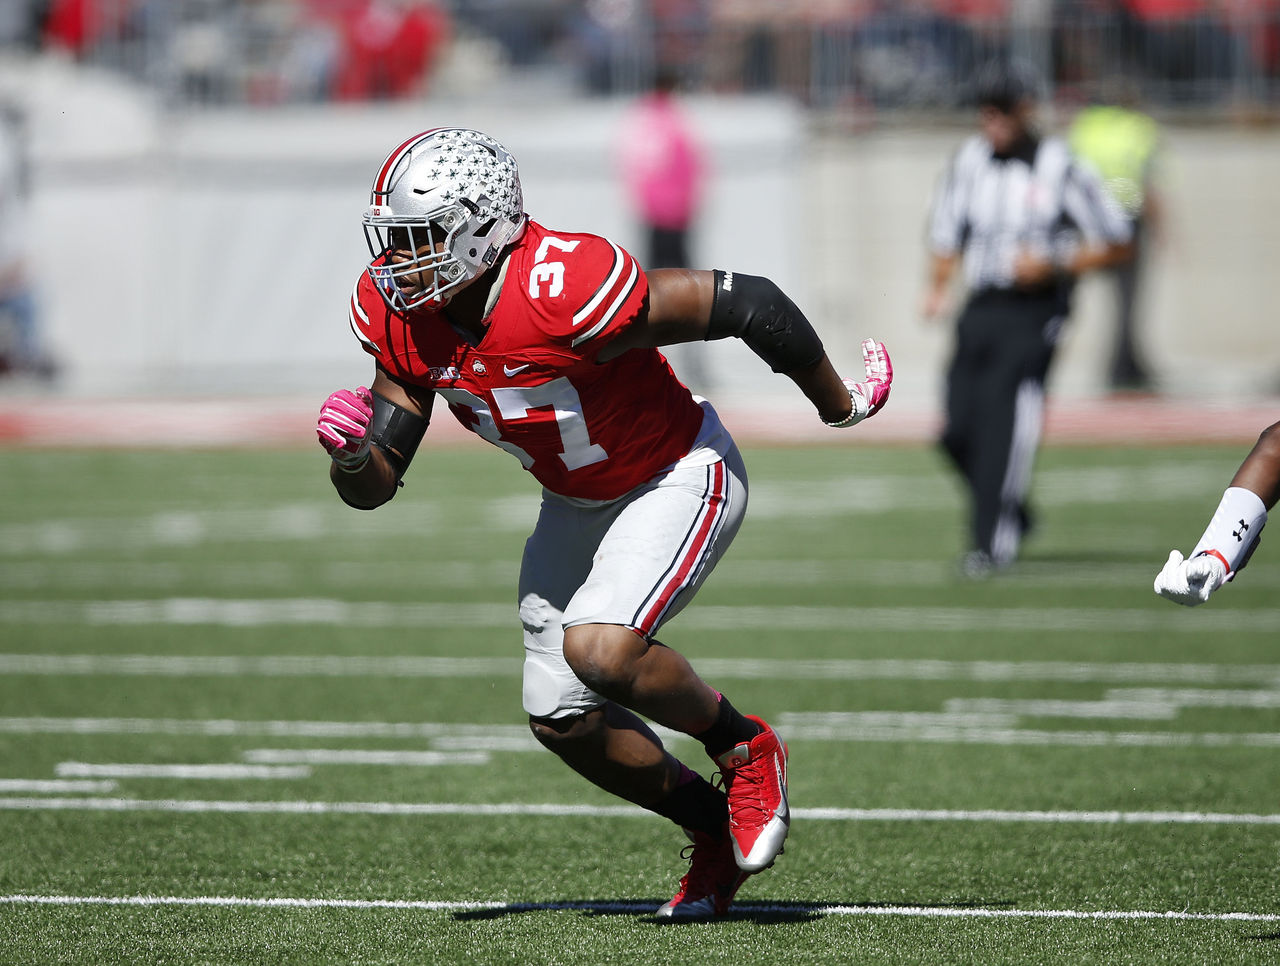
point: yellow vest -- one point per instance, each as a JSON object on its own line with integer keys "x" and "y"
{"x": 1120, "y": 144}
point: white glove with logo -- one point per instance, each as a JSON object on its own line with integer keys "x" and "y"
{"x": 1190, "y": 581}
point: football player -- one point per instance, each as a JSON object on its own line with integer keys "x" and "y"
{"x": 545, "y": 343}
{"x": 1234, "y": 529}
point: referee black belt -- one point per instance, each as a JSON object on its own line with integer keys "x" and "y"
{"x": 1040, "y": 294}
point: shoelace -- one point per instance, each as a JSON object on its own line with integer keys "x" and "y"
{"x": 703, "y": 877}
{"x": 747, "y": 796}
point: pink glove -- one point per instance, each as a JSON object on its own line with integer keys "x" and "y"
{"x": 875, "y": 358}
{"x": 343, "y": 427}
{"x": 869, "y": 397}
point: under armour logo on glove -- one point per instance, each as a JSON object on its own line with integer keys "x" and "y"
{"x": 1239, "y": 534}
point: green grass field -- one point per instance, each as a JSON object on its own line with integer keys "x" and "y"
{"x": 241, "y": 723}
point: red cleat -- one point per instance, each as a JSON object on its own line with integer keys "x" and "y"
{"x": 755, "y": 776}
{"x": 713, "y": 879}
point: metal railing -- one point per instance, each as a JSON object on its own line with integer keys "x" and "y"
{"x": 862, "y": 54}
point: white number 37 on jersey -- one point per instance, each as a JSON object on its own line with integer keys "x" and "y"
{"x": 550, "y": 272}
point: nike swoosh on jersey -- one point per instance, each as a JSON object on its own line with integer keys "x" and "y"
{"x": 514, "y": 370}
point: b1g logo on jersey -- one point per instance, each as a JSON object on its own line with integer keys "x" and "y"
{"x": 443, "y": 373}
{"x": 550, "y": 272}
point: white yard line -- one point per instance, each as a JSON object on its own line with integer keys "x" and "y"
{"x": 844, "y": 669}
{"x": 219, "y": 772}
{"x": 256, "y": 612}
{"x": 370, "y": 756}
{"x": 173, "y": 665}
{"x": 304, "y": 521}
{"x": 878, "y": 726}
{"x": 1136, "y": 708}
{"x": 472, "y": 809}
{"x": 286, "y": 573}
{"x": 55, "y": 785}
{"x": 223, "y": 727}
{"x": 638, "y": 908}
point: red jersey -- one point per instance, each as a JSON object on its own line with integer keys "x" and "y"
{"x": 533, "y": 385}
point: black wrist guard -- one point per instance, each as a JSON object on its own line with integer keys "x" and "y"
{"x": 397, "y": 432}
{"x": 756, "y": 311}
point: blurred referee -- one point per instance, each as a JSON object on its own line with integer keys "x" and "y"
{"x": 1027, "y": 221}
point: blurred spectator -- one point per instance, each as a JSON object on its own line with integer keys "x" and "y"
{"x": 1185, "y": 45}
{"x": 680, "y": 33}
{"x": 290, "y": 51}
{"x": 20, "y": 23}
{"x": 204, "y": 53}
{"x": 662, "y": 166}
{"x": 77, "y": 26}
{"x": 21, "y": 351}
{"x": 1121, "y": 144}
{"x": 612, "y": 43}
{"x": 663, "y": 170}
{"x": 388, "y": 48}
{"x": 911, "y": 53}
{"x": 757, "y": 46}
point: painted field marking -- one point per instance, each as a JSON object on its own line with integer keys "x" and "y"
{"x": 845, "y": 669}
{"x": 770, "y": 500}
{"x": 473, "y": 809}
{"x": 1057, "y": 708}
{"x": 883, "y": 726}
{"x": 352, "y": 756}
{"x": 257, "y": 612}
{"x": 55, "y": 785}
{"x": 261, "y": 575}
{"x": 222, "y": 727}
{"x": 637, "y": 908}
{"x": 83, "y": 769}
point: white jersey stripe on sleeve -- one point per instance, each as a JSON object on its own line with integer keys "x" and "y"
{"x": 359, "y": 319}
{"x": 617, "y": 304}
{"x": 603, "y": 291}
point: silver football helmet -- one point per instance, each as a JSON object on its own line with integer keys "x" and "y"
{"x": 444, "y": 205}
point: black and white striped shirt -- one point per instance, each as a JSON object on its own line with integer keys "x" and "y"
{"x": 1039, "y": 200}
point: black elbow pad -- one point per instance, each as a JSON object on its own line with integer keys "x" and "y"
{"x": 396, "y": 431}
{"x": 756, "y": 311}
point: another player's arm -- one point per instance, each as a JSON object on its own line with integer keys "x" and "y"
{"x": 1260, "y": 471}
{"x": 1233, "y": 531}
{"x": 691, "y": 306}
{"x": 372, "y": 435}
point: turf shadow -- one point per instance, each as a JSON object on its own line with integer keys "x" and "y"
{"x": 764, "y": 913}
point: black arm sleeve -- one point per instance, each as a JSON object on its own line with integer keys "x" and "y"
{"x": 756, "y": 311}
{"x": 397, "y": 432}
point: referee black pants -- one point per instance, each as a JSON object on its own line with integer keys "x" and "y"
{"x": 995, "y": 408}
